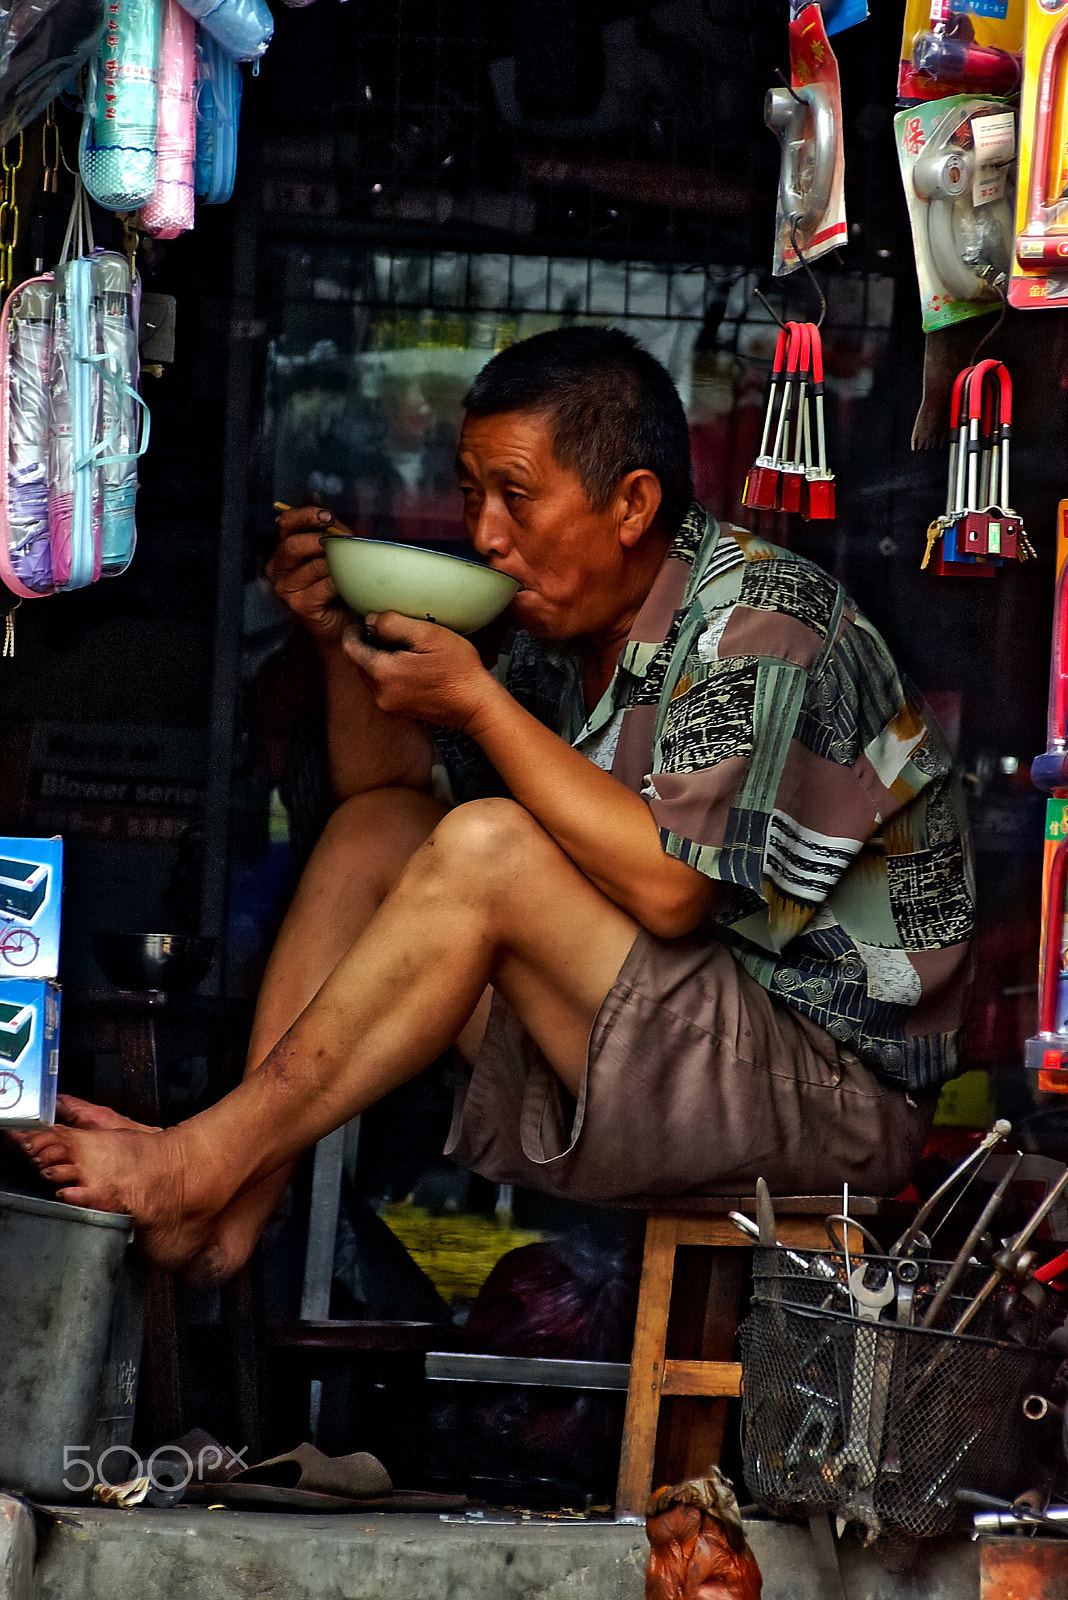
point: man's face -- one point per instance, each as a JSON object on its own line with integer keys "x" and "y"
{"x": 529, "y": 517}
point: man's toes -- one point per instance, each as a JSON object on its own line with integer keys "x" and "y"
{"x": 49, "y": 1155}
{"x": 82, "y": 1197}
{"x": 63, "y": 1172}
{"x": 77, "y": 1113}
{"x": 34, "y": 1144}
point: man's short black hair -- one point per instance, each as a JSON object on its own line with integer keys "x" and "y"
{"x": 610, "y": 405}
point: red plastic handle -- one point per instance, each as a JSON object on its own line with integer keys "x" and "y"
{"x": 793, "y": 350}
{"x": 958, "y": 389}
{"x": 817, "y": 353}
{"x": 804, "y": 352}
{"x": 974, "y": 387}
{"x": 780, "y": 354}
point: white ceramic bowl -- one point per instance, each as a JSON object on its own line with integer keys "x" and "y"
{"x": 372, "y": 575}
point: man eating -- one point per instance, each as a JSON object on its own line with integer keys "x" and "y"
{"x": 684, "y": 879}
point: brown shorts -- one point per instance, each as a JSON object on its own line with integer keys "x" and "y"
{"x": 697, "y": 1082}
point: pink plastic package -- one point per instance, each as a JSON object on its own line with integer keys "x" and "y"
{"x": 170, "y": 210}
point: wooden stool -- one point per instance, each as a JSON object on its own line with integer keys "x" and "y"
{"x": 703, "y": 1318}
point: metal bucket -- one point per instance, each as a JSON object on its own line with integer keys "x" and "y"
{"x": 70, "y": 1345}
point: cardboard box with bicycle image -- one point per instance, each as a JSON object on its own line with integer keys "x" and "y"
{"x": 29, "y": 1052}
{"x": 31, "y": 883}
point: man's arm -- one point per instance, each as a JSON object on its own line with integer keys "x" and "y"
{"x": 606, "y": 829}
{"x": 368, "y": 749}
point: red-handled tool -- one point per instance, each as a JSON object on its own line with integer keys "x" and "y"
{"x": 820, "y": 504}
{"x": 792, "y": 476}
{"x": 1052, "y": 1270}
{"x": 761, "y": 492}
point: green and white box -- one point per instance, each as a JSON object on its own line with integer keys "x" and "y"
{"x": 29, "y": 1052}
{"x": 31, "y": 886}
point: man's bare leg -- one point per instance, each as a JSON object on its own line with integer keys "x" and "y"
{"x": 489, "y": 898}
{"x": 361, "y": 854}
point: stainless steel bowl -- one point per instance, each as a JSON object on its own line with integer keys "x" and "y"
{"x": 163, "y": 961}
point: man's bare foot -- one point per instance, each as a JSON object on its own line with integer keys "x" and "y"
{"x": 136, "y": 1174}
{"x": 232, "y": 1235}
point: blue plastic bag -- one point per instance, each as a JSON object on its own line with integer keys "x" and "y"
{"x": 218, "y": 119}
{"x": 244, "y": 28}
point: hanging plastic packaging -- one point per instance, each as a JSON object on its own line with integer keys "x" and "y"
{"x": 960, "y": 47}
{"x": 218, "y": 107}
{"x": 76, "y": 420}
{"x": 956, "y": 159}
{"x": 25, "y": 367}
{"x": 43, "y": 43}
{"x": 244, "y": 28}
{"x": 72, "y": 424}
{"x": 170, "y": 210}
{"x": 1040, "y": 266}
{"x": 124, "y": 413}
{"x": 117, "y": 154}
{"x": 806, "y": 118}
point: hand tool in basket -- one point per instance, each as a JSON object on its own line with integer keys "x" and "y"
{"x": 1012, "y": 1258}
{"x": 857, "y": 1463}
{"x": 969, "y": 1168}
{"x": 960, "y": 1262}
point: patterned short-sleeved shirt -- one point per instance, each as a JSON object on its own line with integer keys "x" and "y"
{"x": 762, "y": 719}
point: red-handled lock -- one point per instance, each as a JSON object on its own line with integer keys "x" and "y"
{"x": 761, "y": 492}
{"x": 792, "y": 477}
{"x": 819, "y": 481}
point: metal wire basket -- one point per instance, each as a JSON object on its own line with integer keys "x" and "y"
{"x": 876, "y": 1420}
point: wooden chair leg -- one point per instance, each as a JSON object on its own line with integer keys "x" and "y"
{"x": 646, "y": 1369}
{"x": 697, "y": 1423}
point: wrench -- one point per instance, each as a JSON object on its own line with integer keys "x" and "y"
{"x": 872, "y": 1366}
{"x": 810, "y": 1445}
{"x": 906, "y": 1275}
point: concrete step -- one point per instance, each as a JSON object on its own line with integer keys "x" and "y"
{"x": 96, "y": 1554}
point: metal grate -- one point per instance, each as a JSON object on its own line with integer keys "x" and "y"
{"x": 620, "y": 128}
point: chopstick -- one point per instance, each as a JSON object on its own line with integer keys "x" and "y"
{"x": 332, "y": 527}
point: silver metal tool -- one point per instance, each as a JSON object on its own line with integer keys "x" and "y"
{"x": 1013, "y": 1248}
{"x": 975, "y": 1160}
{"x": 812, "y": 1442}
{"x": 765, "y": 1212}
{"x": 906, "y": 1275}
{"x": 858, "y": 1460}
{"x": 956, "y": 1271}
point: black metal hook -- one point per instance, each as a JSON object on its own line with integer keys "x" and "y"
{"x": 999, "y": 319}
{"x": 768, "y": 307}
{"x": 800, "y": 254}
{"x": 780, "y": 74}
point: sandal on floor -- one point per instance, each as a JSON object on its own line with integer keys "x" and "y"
{"x": 306, "y": 1480}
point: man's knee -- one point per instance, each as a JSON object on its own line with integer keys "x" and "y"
{"x": 484, "y": 841}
